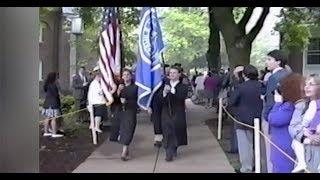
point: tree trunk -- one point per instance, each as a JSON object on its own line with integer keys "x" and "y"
{"x": 238, "y": 42}
{"x": 213, "y": 53}
{"x": 238, "y": 56}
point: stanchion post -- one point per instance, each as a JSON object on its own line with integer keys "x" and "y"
{"x": 257, "y": 145}
{"x": 220, "y": 119}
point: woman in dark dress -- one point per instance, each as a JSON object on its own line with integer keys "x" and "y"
{"x": 128, "y": 93}
{"x": 51, "y": 106}
{"x": 174, "y": 126}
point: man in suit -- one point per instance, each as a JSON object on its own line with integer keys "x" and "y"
{"x": 276, "y": 63}
{"x": 80, "y": 84}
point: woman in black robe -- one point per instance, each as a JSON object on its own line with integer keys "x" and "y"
{"x": 174, "y": 126}
{"x": 128, "y": 93}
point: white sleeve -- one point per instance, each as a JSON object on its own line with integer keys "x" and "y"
{"x": 164, "y": 94}
{"x": 90, "y": 94}
{"x": 173, "y": 90}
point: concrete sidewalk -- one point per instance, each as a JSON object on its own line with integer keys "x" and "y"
{"x": 202, "y": 155}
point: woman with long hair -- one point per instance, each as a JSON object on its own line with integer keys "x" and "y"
{"x": 51, "y": 106}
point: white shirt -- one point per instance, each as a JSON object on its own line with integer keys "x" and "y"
{"x": 83, "y": 78}
{"x": 276, "y": 70}
{"x": 266, "y": 77}
{"x": 310, "y": 113}
{"x": 200, "y": 82}
{"x": 173, "y": 89}
{"x": 95, "y": 94}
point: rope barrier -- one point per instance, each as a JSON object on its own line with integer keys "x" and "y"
{"x": 68, "y": 114}
{"x": 265, "y": 137}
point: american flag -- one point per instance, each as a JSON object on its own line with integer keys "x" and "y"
{"x": 110, "y": 50}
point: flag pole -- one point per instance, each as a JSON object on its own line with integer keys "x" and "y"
{"x": 164, "y": 72}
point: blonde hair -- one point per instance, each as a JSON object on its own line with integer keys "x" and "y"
{"x": 315, "y": 78}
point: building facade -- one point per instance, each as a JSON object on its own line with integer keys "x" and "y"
{"x": 308, "y": 61}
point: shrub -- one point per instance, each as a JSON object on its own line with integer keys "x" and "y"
{"x": 67, "y": 104}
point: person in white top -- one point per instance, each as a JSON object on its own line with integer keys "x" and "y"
{"x": 200, "y": 87}
{"x": 97, "y": 100}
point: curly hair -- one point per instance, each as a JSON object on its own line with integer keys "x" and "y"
{"x": 291, "y": 87}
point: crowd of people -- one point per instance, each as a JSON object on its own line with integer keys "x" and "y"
{"x": 167, "y": 108}
{"x": 287, "y": 103}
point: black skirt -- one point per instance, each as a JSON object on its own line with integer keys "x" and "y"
{"x": 100, "y": 110}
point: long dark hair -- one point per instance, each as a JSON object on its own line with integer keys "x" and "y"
{"x": 51, "y": 78}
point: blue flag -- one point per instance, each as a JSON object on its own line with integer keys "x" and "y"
{"x": 148, "y": 73}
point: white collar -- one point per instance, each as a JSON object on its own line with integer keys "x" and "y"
{"x": 173, "y": 84}
{"x": 277, "y": 69}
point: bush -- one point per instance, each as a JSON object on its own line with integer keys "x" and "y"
{"x": 67, "y": 104}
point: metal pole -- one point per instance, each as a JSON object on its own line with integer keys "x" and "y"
{"x": 220, "y": 118}
{"x": 257, "y": 145}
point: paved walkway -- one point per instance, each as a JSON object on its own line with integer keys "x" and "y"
{"x": 202, "y": 155}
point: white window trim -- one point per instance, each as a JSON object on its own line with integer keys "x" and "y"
{"x": 313, "y": 52}
{"x": 41, "y": 33}
{"x": 40, "y": 71}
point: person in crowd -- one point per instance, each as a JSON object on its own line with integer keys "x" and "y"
{"x": 200, "y": 87}
{"x": 98, "y": 101}
{"x": 128, "y": 93}
{"x": 285, "y": 97}
{"x": 80, "y": 84}
{"x": 275, "y": 62}
{"x": 236, "y": 78}
{"x": 173, "y": 119}
{"x": 52, "y": 106}
{"x": 246, "y": 98}
{"x": 210, "y": 88}
{"x": 305, "y": 129}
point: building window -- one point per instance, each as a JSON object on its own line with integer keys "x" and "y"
{"x": 314, "y": 51}
{"x": 41, "y": 32}
{"x": 40, "y": 71}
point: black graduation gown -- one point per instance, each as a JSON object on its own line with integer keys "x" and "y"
{"x": 174, "y": 126}
{"x": 156, "y": 106}
{"x": 128, "y": 113}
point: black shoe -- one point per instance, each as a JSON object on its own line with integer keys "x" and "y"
{"x": 237, "y": 171}
{"x": 124, "y": 158}
{"x": 61, "y": 132}
{"x": 169, "y": 158}
{"x": 158, "y": 144}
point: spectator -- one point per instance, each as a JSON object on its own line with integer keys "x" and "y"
{"x": 52, "y": 106}
{"x": 80, "y": 83}
{"x": 246, "y": 99}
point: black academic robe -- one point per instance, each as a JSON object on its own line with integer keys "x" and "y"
{"x": 156, "y": 106}
{"x": 128, "y": 113}
{"x": 174, "y": 125}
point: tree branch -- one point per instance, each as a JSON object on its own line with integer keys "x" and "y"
{"x": 246, "y": 17}
{"x": 256, "y": 29}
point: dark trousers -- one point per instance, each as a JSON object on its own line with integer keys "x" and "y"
{"x": 171, "y": 151}
{"x": 156, "y": 120}
{"x": 233, "y": 139}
